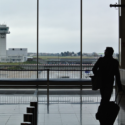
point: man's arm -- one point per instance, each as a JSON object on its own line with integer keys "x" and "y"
{"x": 96, "y": 66}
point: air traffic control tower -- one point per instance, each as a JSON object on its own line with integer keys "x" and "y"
{"x": 3, "y": 31}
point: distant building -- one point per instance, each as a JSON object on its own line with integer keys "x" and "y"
{"x": 13, "y": 54}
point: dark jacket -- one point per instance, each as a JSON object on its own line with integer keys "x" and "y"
{"x": 108, "y": 67}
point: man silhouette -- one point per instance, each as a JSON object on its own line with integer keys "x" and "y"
{"x": 108, "y": 67}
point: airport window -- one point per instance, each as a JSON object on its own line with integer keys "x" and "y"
{"x": 60, "y": 42}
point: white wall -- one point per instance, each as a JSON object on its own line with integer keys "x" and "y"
{"x": 17, "y": 52}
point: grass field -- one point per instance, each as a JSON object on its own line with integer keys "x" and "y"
{"x": 46, "y": 58}
{"x": 18, "y": 63}
{"x": 62, "y": 57}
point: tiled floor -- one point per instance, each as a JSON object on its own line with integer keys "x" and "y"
{"x": 68, "y": 114}
{"x": 12, "y": 114}
{"x": 121, "y": 116}
{"x": 63, "y": 110}
{"x": 69, "y": 109}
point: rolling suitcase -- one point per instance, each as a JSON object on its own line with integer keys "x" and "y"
{"x": 107, "y": 114}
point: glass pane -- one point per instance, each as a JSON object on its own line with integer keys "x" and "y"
{"x": 100, "y": 30}
{"x": 59, "y": 42}
{"x": 17, "y": 39}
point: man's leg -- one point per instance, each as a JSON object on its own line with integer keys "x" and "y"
{"x": 104, "y": 123}
{"x": 105, "y": 95}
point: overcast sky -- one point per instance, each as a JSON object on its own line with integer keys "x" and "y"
{"x": 59, "y": 25}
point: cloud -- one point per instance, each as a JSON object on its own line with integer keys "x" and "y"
{"x": 59, "y": 25}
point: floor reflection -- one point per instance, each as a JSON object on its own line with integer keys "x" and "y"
{"x": 121, "y": 116}
{"x": 67, "y": 109}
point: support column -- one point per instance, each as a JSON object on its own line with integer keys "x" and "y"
{"x": 122, "y": 34}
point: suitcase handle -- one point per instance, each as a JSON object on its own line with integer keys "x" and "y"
{"x": 120, "y": 97}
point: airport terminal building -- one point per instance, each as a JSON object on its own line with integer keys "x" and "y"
{"x": 15, "y": 55}
{"x": 12, "y": 54}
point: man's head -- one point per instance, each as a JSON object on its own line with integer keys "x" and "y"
{"x": 109, "y": 51}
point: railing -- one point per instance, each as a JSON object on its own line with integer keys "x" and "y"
{"x": 55, "y": 71}
{"x": 49, "y": 76}
{"x": 60, "y": 99}
{"x": 16, "y": 98}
